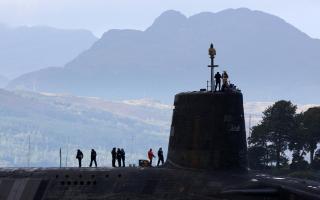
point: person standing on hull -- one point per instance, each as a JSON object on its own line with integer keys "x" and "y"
{"x": 93, "y": 157}
{"x": 123, "y": 157}
{"x": 119, "y": 157}
{"x": 150, "y": 156}
{"x": 114, "y": 156}
{"x": 160, "y": 156}
{"x": 218, "y": 81}
{"x": 79, "y": 156}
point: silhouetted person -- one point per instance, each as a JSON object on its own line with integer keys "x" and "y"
{"x": 119, "y": 157}
{"x": 123, "y": 157}
{"x": 218, "y": 81}
{"x": 93, "y": 157}
{"x": 150, "y": 156}
{"x": 79, "y": 156}
{"x": 114, "y": 156}
{"x": 224, "y": 80}
{"x": 160, "y": 156}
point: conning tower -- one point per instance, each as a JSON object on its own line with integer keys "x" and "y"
{"x": 208, "y": 129}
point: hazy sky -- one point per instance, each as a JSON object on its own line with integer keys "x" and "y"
{"x": 101, "y": 15}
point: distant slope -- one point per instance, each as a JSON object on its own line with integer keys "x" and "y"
{"x": 266, "y": 57}
{"x": 54, "y": 121}
{"x": 25, "y": 49}
{"x": 3, "y": 81}
{"x": 70, "y": 122}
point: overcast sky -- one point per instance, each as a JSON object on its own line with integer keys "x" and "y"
{"x": 102, "y": 15}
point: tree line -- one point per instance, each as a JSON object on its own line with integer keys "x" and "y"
{"x": 281, "y": 130}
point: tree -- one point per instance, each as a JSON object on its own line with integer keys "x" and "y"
{"x": 311, "y": 126}
{"x": 297, "y": 144}
{"x": 316, "y": 160}
{"x": 258, "y": 155}
{"x": 279, "y": 120}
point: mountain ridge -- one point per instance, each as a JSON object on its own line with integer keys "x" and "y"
{"x": 28, "y": 48}
{"x": 262, "y": 53}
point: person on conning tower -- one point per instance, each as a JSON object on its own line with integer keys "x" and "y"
{"x": 218, "y": 81}
{"x": 224, "y": 80}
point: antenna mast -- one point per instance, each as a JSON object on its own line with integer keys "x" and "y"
{"x": 60, "y": 157}
{"x": 67, "y": 152}
{"x": 29, "y": 150}
{"x": 250, "y": 125}
{"x": 212, "y": 54}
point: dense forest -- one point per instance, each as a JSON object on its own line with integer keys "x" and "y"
{"x": 283, "y": 130}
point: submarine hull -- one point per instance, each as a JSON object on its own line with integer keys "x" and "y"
{"x": 146, "y": 183}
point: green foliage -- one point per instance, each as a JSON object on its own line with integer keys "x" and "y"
{"x": 311, "y": 128}
{"x": 316, "y": 161}
{"x": 274, "y": 131}
{"x": 259, "y": 152}
{"x": 297, "y": 138}
{"x": 282, "y": 129}
{"x": 279, "y": 120}
{"x": 257, "y": 157}
{"x": 298, "y": 162}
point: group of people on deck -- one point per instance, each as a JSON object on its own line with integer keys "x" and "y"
{"x": 79, "y": 156}
{"x": 160, "y": 156}
{"x": 118, "y": 157}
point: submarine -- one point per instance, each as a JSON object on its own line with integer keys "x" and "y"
{"x": 206, "y": 160}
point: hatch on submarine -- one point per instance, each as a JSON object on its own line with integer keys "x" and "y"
{"x": 207, "y": 159}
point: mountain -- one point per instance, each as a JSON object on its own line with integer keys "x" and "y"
{"x": 267, "y": 58}
{"x": 25, "y": 49}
